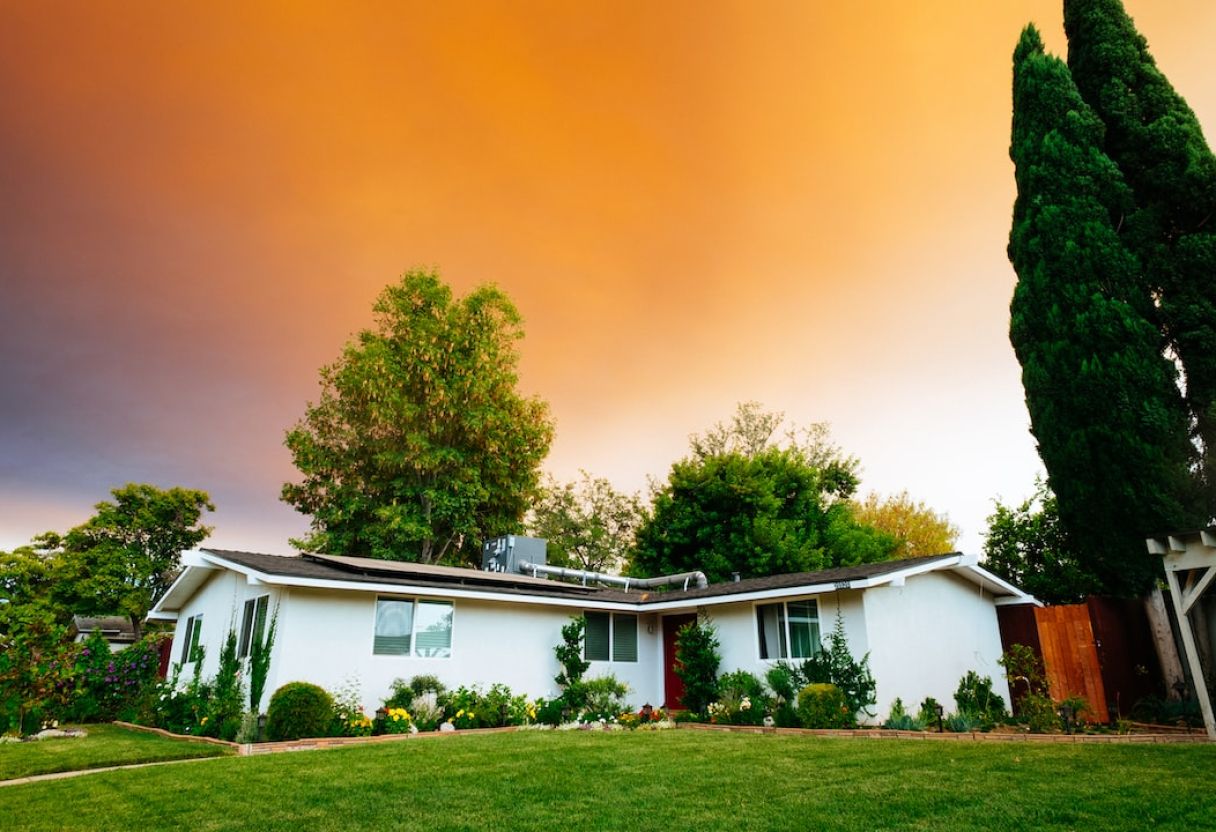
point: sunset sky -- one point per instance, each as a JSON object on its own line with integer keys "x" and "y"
{"x": 692, "y": 204}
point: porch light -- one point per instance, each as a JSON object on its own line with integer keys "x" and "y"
{"x": 940, "y": 713}
{"x": 1066, "y": 714}
{"x": 261, "y": 727}
{"x": 381, "y": 718}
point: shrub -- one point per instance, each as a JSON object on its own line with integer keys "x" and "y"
{"x": 224, "y": 708}
{"x": 741, "y": 699}
{"x": 260, "y": 650}
{"x": 783, "y": 680}
{"x": 822, "y": 705}
{"x": 1039, "y": 712}
{"x": 974, "y": 696}
{"x": 605, "y": 697}
{"x": 698, "y": 659}
{"x": 467, "y": 708}
{"x": 963, "y": 722}
{"x": 113, "y": 685}
{"x": 551, "y": 711}
{"x": 837, "y": 666}
{"x": 299, "y": 709}
{"x": 928, "y": 711}
{"x": 426, "y": 711}
{"x": 570, "y": 656}
{"x": 900, "y": 720}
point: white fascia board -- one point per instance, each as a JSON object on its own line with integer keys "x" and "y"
{"x": 193, "y": 561}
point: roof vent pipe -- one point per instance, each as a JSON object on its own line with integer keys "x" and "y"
{"x": 682, "y": 580}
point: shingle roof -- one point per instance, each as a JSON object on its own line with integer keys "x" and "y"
{"x": 366, "y": 570}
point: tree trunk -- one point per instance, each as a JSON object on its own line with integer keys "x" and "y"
{"x": 1163, "y": 641}
{"x": 136, "y": 625}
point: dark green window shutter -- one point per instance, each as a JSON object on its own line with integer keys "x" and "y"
{"x": 624, "y": 638}
{"x": 597, "y": 636}
{"x": 259, "y": 619}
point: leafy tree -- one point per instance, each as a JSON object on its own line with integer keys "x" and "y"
{"x": 1027, "y": 546}
{"x": 123, "y": 559}
{"x": 589, "y": 525}
{"x": 29, "y": 578}
{"x": 569, "y": 655}
{"x": 742, "y": 503}
{"x": 420, "y": 445}
{"x": 919, "y": 529}
{"x": 1158, "y": 144}
{"x": 1103, "y": 401}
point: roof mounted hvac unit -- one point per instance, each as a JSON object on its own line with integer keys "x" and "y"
{"x": 506, "y": 553}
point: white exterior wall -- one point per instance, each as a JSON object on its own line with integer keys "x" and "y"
{"x": 740, "y": 639}
{"x": 221, "y": 601}
{"x": 926, "y": 635}
{"x": 325, "y": 637}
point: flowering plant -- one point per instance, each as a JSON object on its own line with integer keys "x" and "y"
{"x": 398, "y": 721}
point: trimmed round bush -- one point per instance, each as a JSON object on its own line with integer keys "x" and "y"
{"x": 297, "y": 710}
{"x": 823, "y": 706}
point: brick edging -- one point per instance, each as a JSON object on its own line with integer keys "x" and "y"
{"x": 235, "y": 746}
{"x": 970, "y": 736}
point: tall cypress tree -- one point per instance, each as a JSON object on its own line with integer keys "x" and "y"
{"x": 1158, "y": 144}
{"x": 1104, "y": 404}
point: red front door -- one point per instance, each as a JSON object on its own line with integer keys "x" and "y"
{"x": 673, "y": 685}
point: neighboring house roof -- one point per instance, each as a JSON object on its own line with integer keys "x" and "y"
{"x": 115, "y": 628}
{"x": 368, "y": 575}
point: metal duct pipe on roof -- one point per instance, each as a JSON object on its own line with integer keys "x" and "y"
{"x": 535, "y": 569}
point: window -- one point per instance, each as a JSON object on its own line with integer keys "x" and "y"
{"x": 407, "y": 626}
{"x": 190, "y": 648}
{"x": 253, "y": 624}
{"x": 611, "y": 634}
{"x": 788, "y": 630}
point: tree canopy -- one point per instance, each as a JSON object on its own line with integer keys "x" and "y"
{"x": 420, "y": 445}
{"x": 121, "y": 560}
{"x": 588, "y": 525}
{"x": 1027, "y": 546}
{"x": 918, "y": 529}
{"x": 1103, "y": 400}
{"x": 1158, "y": 144}
{"x": 742, "y": 502}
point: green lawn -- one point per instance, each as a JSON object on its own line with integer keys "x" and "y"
{"x": 106, "y": 745}
{"x": 672, "y": 780}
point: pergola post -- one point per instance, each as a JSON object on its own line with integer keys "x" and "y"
{"x": 1186, "y": 556}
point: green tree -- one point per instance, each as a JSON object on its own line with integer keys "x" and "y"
{"x": 742, "y": 503}
{"x": 1026, "y": 545}
{"x": 1103, "y": 401}
{"x": 123, "y": 559}
{"x": 919, "y": 529}
{"x": 1158, "y": 144}
{"x": 420, "y": 446}
{"x": 588, "y": 525}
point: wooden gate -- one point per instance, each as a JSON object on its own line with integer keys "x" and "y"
{"x": 1070, "y": 656}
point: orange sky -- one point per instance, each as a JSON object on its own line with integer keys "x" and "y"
{"x": 692, "y": 204}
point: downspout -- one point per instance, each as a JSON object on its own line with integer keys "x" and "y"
{"x": 682, "y": 579}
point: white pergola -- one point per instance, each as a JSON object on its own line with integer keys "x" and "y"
{"x": 1190, "y": 568}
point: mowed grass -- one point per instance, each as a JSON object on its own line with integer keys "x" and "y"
{"x": 673, "y": 780}
{"x": 105, "y": 745}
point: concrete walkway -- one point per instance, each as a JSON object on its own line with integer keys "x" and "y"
{"x": 63, "y": 775}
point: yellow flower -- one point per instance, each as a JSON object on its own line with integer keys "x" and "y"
{"x": 460, "y": 713}
{"x": 203, "y": 721}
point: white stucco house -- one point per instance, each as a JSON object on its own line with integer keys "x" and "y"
{"x": 925, "y": 622}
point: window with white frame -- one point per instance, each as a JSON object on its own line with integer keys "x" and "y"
{"x": 788, "y": 630}
{"x": 253, "y": 624}
{"x": 413, "y": 627}
{"x": 612, "y": 635}
{"x": 194, "y": 630}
